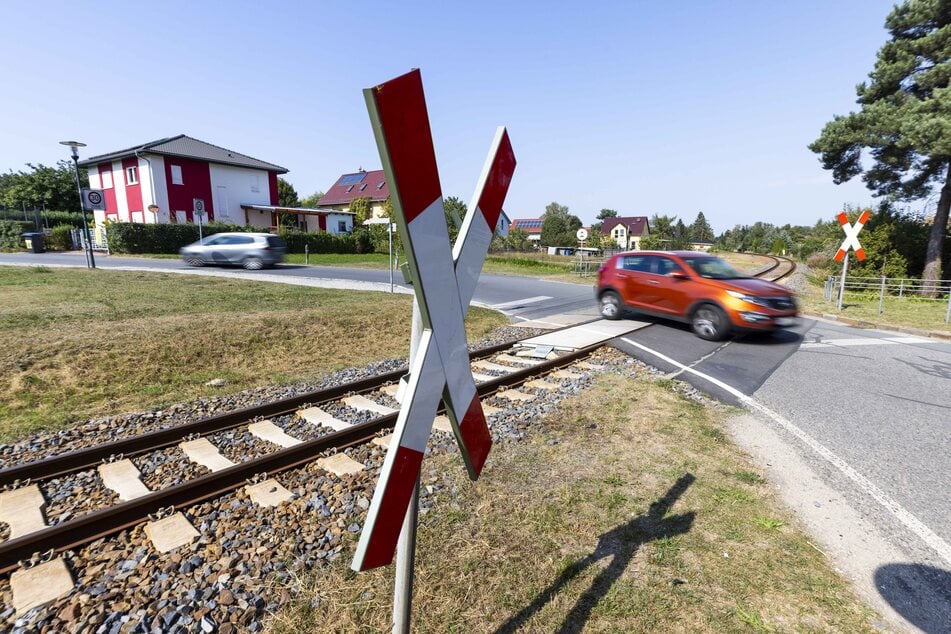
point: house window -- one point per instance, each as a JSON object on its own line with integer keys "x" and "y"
{"x": 131, "y": 175}
{"x": 106, "y": 180}
{"x": 363, "y": 186}
{"x": 177, "y": 175}
{"x": 350, "y": 189}
{"x": 341, "y": 226}
{"x": 256, "y": 185}
{"x": 380, "y": 186}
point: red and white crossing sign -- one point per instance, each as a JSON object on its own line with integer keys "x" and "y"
{"x": 444, "y": 281}
{"x": 851, "y": 236}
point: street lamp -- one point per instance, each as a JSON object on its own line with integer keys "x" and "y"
{"x": 87, "y": 247}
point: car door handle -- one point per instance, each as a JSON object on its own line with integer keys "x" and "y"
{"x": 654, "y": 282}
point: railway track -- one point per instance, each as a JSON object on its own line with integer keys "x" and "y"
{"x": 339, "y": 418}
{"x": 779, "y": 269}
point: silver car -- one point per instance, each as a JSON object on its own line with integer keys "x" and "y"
{"x": 253, "y": 251}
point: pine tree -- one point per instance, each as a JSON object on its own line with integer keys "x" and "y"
{"x": 904, "y": 120}
{"x": 700, "y": 230}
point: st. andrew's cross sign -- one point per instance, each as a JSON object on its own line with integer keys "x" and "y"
{"x": 444, "y": 281}
{"x": 851, "y": 236}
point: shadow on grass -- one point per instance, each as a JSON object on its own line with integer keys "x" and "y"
{"x": 620, "y": 543}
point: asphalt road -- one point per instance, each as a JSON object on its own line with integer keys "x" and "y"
{"x": 868, "y": 412}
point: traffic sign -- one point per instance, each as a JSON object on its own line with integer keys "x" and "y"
{"x": 582, "y": 234}
{"x": 198, "y": 205}
{"x": 851, "y": 236}
{"x": 444, "y": 281}
{"x": 93, "y": 199}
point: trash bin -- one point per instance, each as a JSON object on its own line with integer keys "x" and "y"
{"x": 34, "y": 241}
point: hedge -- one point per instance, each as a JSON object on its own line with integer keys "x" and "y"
{"x": 60, "y": 238}
{"x": 323, "y": 242}
{"x": 134, "y": 237}
{"x": 10, "y": 231}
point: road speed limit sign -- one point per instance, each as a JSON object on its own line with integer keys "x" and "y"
{"x": 93, "y": 199}
{"x": 582, "y": 234}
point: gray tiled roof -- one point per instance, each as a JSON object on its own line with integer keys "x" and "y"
{"x": 188, "y": 147}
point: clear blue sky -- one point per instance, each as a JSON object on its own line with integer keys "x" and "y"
{"x": 642, "y": 107}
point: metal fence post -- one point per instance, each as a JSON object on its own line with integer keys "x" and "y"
{"x": 307, "y": 254}
{"x": 947, "y": 313}
{"x": 881, "y": 297}
{"x": 845, "y": 269}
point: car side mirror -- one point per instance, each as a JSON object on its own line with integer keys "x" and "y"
{"x": 678, "y": 275}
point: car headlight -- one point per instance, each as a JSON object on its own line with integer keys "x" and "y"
{"x": 752, "y": 299}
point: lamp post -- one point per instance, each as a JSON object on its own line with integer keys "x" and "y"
{"x": 87, "y": 246}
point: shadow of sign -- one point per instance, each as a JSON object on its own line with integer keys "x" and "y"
{"x": 920, "y": 593}
{"x": 620, "y": 544}
{"x": 938, "y": 369}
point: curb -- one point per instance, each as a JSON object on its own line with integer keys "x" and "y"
{"x": 859, "y": 323}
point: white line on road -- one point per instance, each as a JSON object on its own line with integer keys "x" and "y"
{"x": 520, "y": 302}
{"x": 863, "y": 341}
{"x": 891, "y": 505}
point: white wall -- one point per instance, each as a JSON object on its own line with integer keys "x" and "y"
{"x": 118, "y": 183}
{"x": 333, "y": 219}
{"x": 239, "y": 184}
{"x": 153, "y": 182}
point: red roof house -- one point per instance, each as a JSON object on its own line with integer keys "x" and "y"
{"x": 627, "y": 231}
{"x": 360, "y": 184}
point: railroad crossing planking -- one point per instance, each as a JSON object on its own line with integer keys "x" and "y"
{"x": 445, "y": 281}
{"x": 851, "y": 236}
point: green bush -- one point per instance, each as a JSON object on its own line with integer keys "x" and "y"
{"x": 10, "y": 230}
{"x": 72, "y": 218}
{"x": 61, "y": 238}
{"x": 323, "y": 242}
{"x": 135, "y": 237}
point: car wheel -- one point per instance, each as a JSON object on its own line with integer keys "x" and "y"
{"x": 710, "y": 323}
{"x": 253, "y": 263}
{"x": 194, "y": 260}
{"x": 610, "y": 305}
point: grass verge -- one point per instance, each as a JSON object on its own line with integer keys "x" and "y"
{"x": 909, "y": 311}
{"x": 80, "y": 343}
{"x": 629, "y": 511}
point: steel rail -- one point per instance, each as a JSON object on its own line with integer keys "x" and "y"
{"x": 88, "y": 528}
{"x": 89, "y": 457}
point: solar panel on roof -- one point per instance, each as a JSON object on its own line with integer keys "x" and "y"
{"x": 352, "y": 179}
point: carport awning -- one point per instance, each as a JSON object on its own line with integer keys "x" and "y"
{"x": 304, "y": 211}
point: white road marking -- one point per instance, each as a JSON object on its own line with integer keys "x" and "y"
{"x": 891, "y": 505}
{"x": 863, "y": 341}
{"x": 520, "y": 302}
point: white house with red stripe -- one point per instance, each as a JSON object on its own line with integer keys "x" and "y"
{"x": 158, "y": 182}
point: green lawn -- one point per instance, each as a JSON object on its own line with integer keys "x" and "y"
{"x": 85, "y": 343}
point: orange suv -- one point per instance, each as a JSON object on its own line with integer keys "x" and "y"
{"x": 693, "y": 287}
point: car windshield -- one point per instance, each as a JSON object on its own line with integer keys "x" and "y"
{"x": 713, "y": 268}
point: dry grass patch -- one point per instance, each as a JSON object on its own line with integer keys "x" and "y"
{"x": 630, "y": 511}
{"x": 78, "y": 344}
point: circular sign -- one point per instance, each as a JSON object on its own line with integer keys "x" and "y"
{"x": 582, "y": 234}
{"x": 95, "y": 198}
{"x": 153, "y": 208}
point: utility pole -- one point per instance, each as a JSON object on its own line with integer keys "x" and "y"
{"x": 87, "y": 248}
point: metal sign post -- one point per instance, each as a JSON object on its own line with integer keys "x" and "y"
{"x": 851, "y": 241}
{"x": 198, "y": 208}
{"x": 582, "y": 234}
{"x": 444, "y": 280}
